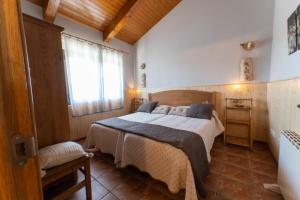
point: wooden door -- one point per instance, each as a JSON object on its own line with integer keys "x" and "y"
{"x": 17, "y": 182}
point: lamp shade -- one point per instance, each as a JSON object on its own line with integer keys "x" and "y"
{"x": 248, "y": 46}
{"x": 246, "y": 69}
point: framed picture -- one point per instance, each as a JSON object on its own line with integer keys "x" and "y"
{"x": 298, "y": 27}
{"x": 292, "y": 33}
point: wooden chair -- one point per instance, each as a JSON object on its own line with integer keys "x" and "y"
{"x": 56, "y": 173}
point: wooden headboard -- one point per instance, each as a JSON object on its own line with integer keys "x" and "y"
{"x": 182, "y": 97}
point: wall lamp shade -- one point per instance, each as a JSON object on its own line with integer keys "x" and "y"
{"x": 248, "y": 46}
{"x": 143, "y": 66}
{"x": 246, "y": 69}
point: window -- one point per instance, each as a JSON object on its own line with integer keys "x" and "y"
{"x": 94, "y": 76}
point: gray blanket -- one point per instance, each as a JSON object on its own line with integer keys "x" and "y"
{"x": 191, "y": 143}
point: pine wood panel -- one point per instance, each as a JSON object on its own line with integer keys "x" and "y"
{"x": 182, "y": 97}
{"x": 260, "y": 123}
{"x": 95, "y": 13}
{"x": 51, "y": 8}
{"x": 48, "y": 81}
{"x": 144, "y": 17}
{"x": 283, "y": 98}
{"x": 99, "y": 14}
{"x": 119, "y": 21}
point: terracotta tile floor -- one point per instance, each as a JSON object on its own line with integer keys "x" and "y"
{"x": 235, "y": 173}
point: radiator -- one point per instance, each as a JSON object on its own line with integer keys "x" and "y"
{"x": 289, "y": 165}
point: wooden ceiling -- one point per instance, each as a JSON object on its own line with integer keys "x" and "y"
{"x": 127, "y": 20}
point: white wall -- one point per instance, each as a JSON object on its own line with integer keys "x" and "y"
{"x": 197, "y": 43}
{"x": 283, "y": 66}
{"x": 283, "y": 96}
{"x": 85, "y": 32}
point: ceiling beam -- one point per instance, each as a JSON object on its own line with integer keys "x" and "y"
{"x": 119, "y": 21}
{"x": 50, "y": 10}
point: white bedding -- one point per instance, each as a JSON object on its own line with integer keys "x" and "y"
{"x": 142, "y": 117}
{"x": 207, "y": 129}
{"x": 162, "y": 161}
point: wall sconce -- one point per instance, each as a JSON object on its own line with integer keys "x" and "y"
{"x": 138, "y": 92}
{"x": 248, "y": 46}
{"x": 143, "y": 66}
{"x": 237, "y": 88}
{"x": 237, "y": 102}
{"x": 246, "y": 69}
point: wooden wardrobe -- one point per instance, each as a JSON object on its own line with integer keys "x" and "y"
{"x": 46, "y": 62}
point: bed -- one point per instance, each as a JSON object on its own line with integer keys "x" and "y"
{"x": 161, "y": 160}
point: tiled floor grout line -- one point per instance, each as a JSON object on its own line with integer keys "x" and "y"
{"x": 108, "y": 194}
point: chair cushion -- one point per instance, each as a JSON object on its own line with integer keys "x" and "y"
{"x": 58, "y": 154}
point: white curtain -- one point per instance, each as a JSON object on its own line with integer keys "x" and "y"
{"x": 95, "y": 77}
{"x": 113, "y": 78}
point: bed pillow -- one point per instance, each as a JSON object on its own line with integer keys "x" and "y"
{"x": 147, "y": 107}
{"x": 161, "y": 109}
{"x": 179, "y": 110}
{"x": 59, "y": 154}
{"x": 201, "y": 111}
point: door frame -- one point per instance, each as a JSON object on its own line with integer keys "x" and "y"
{"x": 16, "y": 110}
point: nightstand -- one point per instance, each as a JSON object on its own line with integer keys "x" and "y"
{"x": 238, "y": 122}
{"x": 136, "y": 102}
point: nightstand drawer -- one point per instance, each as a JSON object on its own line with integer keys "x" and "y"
{"x": 240, "y": 115}
{"x": 237, "y": 130}
{"x": 238, "y": 122}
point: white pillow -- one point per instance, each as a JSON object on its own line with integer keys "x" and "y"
{"x": 59, "y": 154}
{"x": 161, "y": 109}
{"x": 179, "y": 110}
